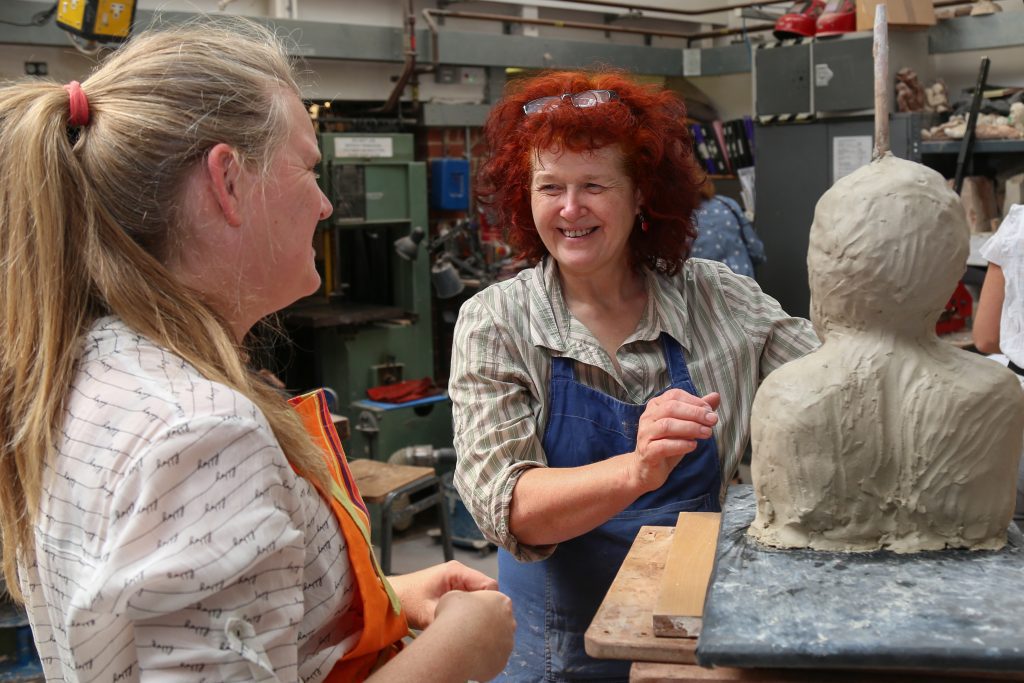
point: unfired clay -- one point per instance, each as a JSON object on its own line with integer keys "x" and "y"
{"x": 886, "y": 437}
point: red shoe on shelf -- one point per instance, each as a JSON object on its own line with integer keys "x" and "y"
{"x": 800, "y": 21}
{"x": 839, "y": 16}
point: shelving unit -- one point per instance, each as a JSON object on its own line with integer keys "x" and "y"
{"x": 980, "y": 147}
{"x": 795, "y": 162}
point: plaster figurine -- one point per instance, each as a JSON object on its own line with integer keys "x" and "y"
{"x": 1016, "y": 118}
{"x": 937, "y": 97}
{"x": 886, "y": 436}
{"x": 910, "y": 95}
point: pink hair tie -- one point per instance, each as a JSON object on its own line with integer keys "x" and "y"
{"x": 79, "y": 104}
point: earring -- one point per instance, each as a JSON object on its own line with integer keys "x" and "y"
{"x": 643, "y": 222}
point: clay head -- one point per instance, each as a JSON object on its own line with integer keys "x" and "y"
{"x": 888, "y": 244}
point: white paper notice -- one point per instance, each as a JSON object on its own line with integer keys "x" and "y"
{"x": 849, "y": 153}
{"x": 364, "y": 148}
{"x": 691, "y": 62}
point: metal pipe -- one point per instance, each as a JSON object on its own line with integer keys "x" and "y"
{"x": 432, "y": 25}
{"x": 595, "y": 27}
{"x": 670, "y": 10}
{"x": 410, "y": 63}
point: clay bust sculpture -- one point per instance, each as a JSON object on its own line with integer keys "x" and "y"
{"x": 886, "y": 437}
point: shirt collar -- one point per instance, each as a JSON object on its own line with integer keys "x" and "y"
{"x": 552, "y": 324}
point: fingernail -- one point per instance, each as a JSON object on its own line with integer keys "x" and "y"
{"x": 711, "y": 416}
{"x": 705, "y": 431}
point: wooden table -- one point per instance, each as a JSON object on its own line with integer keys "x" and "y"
{"x": 623, "y": 629}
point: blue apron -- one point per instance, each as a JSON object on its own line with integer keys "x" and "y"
{"x": 555, "y": 600}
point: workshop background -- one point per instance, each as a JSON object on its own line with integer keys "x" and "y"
{"x": 399, "y": 90}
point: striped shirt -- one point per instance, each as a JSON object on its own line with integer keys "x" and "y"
{"x": 732, "y": 334}
{"x": 173, "y": 541}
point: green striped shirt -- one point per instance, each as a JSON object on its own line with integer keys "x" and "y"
{"x": 732, "y": 333}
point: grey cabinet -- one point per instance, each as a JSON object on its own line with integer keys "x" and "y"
{"x": 794, "y": 168}
{"x": 830, "y": 76}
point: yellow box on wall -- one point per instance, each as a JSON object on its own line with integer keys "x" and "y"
{"x": 100, "y": 20}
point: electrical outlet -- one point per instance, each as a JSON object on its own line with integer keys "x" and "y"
{"x": 36, "y": 68}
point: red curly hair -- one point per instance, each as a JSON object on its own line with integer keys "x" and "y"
{"x": 648, "y": 124}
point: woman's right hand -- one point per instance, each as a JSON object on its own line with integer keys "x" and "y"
{"x": 484, "y": 619}
{"x": 470, "y": 638}
{"x": 669, "y": 429}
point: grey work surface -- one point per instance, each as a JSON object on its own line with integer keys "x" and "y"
{"x": 953, "y": 609}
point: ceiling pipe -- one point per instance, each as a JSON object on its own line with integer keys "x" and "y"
{"x": 672, "y": 10}
{"x": 430, "y": 14}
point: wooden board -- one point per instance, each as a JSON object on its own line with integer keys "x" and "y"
{"x": 377, "y": 479}
{"x": 654, "y": 672}
{"x": 679, "y": 608}
{"x": 622, "y": 629}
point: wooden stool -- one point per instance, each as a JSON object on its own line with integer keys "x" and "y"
{"x": 382, "y": 483}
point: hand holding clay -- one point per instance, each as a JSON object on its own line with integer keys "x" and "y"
{"x": 669, "y": 429}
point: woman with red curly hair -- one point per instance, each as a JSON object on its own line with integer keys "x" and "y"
{"x": 609, "y": 386}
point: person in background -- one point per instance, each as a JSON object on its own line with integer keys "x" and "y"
{"x": 724, "y": 233}
{"x": 166, "y": 515}
{"x": 610, "y": 385}
{"x": 998, "y": 326}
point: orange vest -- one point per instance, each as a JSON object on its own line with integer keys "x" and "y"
{"x": 384, "y": 623}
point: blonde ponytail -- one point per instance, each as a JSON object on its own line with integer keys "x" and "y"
{"x": 89, "y": 217}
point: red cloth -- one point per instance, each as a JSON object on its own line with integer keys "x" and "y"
{"x": 403, "y": 392}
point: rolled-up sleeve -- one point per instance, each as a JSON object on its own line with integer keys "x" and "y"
{"x": 495, "y": 420}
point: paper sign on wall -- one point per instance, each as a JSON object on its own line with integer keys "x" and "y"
{"x": 849, "y": 153}
{"x": 364, "y": 148}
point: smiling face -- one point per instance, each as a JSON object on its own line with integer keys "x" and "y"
{"x": 584, "y": 207}
{"x": 281, "y": 218}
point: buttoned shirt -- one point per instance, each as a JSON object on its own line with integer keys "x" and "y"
{"x": 732, "y": 334}
{"x": 174, "y": 542}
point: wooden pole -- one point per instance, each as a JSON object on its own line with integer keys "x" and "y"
{"x": 880, "y": 51}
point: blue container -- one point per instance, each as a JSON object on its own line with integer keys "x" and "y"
{"x": 449, "y": 184}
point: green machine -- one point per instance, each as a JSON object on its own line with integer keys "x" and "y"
{"x": 371, "y": 325}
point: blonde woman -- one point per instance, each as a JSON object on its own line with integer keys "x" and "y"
{"x": 165, "y": 514}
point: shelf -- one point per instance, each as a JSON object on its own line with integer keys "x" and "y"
{"x": 979, "y": 147}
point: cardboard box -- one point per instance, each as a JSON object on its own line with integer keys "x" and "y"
{"x": 902, "y": 14}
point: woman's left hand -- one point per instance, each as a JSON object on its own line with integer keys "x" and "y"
{"x": 420, "y": 591}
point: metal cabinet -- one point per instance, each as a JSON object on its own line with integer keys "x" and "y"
{"x": 794, "y": 168}
{"x": 829, "y": 76}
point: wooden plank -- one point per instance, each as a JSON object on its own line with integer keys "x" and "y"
{"x": 621, "y": 629}
{"x": 679, "y": 609}
{"x": 658, "y": 672}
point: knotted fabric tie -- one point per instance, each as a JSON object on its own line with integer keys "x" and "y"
{"x": 79, "y": 104}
